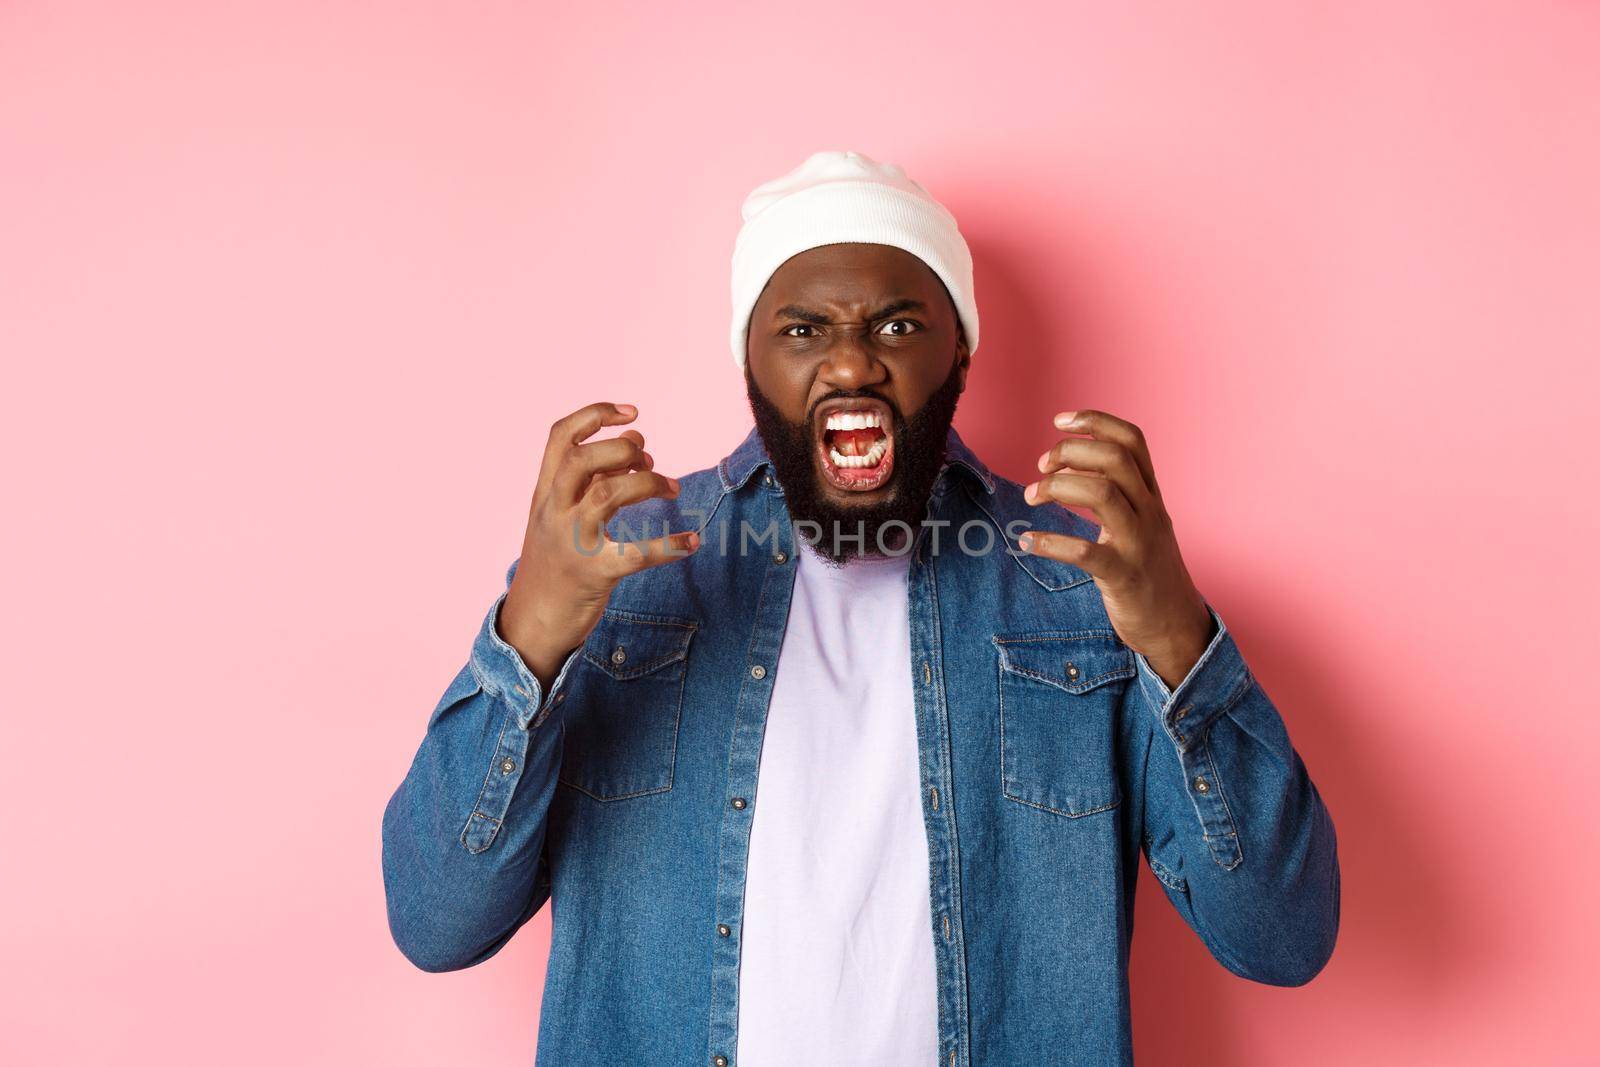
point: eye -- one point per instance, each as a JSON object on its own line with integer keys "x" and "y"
{"x": 909, "y": 327}
{"x": 797, "y": 326}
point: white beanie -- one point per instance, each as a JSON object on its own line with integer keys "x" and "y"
{"x": 835, "y": 197}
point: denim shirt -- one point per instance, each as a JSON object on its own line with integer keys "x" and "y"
{"x": 1051, "y": 756}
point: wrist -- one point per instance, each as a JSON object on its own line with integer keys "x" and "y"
{"x": 525, "y": 628}
{"x": 1174, "y": 657}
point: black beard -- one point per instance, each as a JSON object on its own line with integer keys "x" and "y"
{"x": 919, "y": 452}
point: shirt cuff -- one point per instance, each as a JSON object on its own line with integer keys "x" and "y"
{"x": 501, "y": 671}
{"x": 1211, "y": 686}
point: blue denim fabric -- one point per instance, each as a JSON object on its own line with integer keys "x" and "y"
{"x": 1051, "y": 756}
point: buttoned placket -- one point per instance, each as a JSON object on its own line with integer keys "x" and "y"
{"x": 758, "y": 675}
{"x": 938, "y": 796}
{"x": 933, "y": 733}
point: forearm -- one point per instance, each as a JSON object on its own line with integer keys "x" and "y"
{"x": 1234, "y": 820}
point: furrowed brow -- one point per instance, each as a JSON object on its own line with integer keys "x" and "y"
{"x": 795, "y": 311}
{"x": 896, "y": 308}
{"x": 818, "y": 318}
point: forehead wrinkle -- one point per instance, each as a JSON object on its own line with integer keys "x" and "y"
{"x": 846, "y": 278}
{"x": 882, "y": 309}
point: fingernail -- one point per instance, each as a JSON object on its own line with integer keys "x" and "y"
{"x": 1027, "y": 494}
{"x": 1025, "y": 542}
{"x": 627, "y": 409}
{"x": 691, "y": 539}
{"x": 1044, "y": 461}
{"x": 1066, "y": 419}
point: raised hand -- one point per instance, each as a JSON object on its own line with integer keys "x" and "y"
{"x": 1148, "y": 594}
{"x": 563, "y": 582}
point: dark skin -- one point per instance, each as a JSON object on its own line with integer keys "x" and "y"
{"x": 1151, "y": 600}
{"x": 875, "y": 319}
{"x": 853, "y": 317}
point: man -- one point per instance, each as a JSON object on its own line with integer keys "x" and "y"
{"x": 845, "y": 750}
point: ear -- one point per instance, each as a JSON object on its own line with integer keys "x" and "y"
{"x": 963, "y": 357}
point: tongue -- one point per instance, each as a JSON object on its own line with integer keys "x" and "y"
{"x": 855, "y": 442}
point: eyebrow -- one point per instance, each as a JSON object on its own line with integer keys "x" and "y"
{"x": 817, "y": 318}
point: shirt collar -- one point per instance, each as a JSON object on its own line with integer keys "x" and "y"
{"x": 958, "y": 456}
{"x": 739, "y": 465}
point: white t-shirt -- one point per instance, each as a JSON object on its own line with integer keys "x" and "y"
{"x": 836, "y": 957}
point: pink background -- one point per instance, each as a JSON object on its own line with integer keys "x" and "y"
{"x": 289, "y": 294}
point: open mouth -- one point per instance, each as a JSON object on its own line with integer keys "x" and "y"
{"x": 855, "y": 443}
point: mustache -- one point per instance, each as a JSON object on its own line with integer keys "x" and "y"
{"x": 919, "y": 448}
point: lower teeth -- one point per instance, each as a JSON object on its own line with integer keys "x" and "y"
{"x": 871, "y": 458}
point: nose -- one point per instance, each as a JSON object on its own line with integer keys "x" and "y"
{"x": 851, "y": 363}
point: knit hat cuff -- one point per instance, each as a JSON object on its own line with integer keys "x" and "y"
{"x": 836, "y": 212}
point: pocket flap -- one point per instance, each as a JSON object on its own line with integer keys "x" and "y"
{"x": 1073, "y": 660}
{"x": 627, "y": 644}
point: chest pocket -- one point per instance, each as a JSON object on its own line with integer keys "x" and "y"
{"x": 621, "y": 738}
{"x": 1060, "y": 692}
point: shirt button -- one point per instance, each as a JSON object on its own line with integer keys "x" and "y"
{"x": 1072, "y": 671}
{"x": 719, "y": 1061}
{"x": 739, "y": 803}
{"x": 507, "y": 766}
{"x": 724, "y": 929}
{"x": 1202, "y": 786}
{"x": 780, "y": 558}
{"x": 619, "y": 656}
{"x": 758, "y": 672}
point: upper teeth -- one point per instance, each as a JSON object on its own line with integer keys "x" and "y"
{"x": 853, "y": 420}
